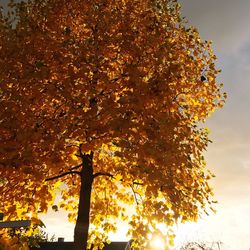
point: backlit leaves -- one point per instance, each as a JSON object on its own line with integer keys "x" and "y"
{"x": 126, "y": 80}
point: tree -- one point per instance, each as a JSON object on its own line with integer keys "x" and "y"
{"x": 195, "y": 245}
{"x": 24, "y": 238}
{"x": 105, "y": 101}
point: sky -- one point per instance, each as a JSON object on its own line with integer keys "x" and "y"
{"x": 226, "y": 23}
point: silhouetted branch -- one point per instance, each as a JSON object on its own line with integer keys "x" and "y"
{"x": 134, "y": 194}
{"x": 75, "y": 167}
{"x": 62, "y": 175}
{"x": 112, "y": 176}
{"x": 103, "y": 174}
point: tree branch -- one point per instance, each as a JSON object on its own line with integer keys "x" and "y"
{"x": 102, "y": 174}
{"x": 181, "y": 93}
{"x": 75, "y": 167}
{"x": 80, "y": 151}
{"x": 134, "y": 194}
{"x": 112, "y": 176}
{"x": 63, "y": 174}
{"x": 137, "y": 183}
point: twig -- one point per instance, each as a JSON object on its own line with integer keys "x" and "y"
{"x": 134, "y": 194}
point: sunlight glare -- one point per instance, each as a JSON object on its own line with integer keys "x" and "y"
{"x": 158, "y": 244}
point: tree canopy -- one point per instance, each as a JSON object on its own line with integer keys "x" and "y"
{"x": 105, "y": 98}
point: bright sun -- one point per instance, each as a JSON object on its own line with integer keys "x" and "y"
{"x": 157, "y": 243}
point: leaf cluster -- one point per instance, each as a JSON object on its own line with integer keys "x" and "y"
{"x": 126, "y": 80}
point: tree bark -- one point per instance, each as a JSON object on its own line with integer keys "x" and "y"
{"x": 82, "y": 222}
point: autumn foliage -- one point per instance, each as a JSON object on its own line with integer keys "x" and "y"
{"x": 105, "y": 98}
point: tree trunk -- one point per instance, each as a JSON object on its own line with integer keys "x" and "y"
{"x": 82, "y": 222}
